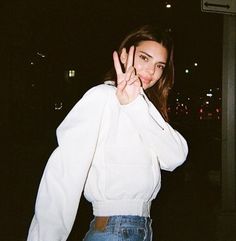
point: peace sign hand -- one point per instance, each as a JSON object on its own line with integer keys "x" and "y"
{"x": 128, "y": 83}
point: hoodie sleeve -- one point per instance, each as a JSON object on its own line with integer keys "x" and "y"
{"x": 169, "y": 145}
{"x": 172, "y": 148}
{"x": 67, "y": 168}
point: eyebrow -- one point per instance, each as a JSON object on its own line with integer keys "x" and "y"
{"x": 151, "y": 57}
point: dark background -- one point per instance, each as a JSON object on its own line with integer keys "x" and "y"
{"x": 81, "y": 35}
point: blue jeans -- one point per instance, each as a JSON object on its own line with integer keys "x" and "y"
{"x": 122, "y": 228}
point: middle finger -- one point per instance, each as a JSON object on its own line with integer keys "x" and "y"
{"x": 130, "y": 57}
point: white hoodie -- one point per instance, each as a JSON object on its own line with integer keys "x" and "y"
{"x": 114, "y": 153}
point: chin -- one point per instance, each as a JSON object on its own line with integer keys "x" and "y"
{"x": 146, "y": 86}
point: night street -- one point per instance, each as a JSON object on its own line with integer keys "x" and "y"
{"x": 52, "y": 53}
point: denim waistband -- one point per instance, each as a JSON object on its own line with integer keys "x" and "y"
{"x": 120, "y": 227}
{"x": 129, "y": 219}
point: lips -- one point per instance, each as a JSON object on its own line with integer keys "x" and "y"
{"x": 145, "y": 79}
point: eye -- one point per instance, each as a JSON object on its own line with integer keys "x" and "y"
{"x": 160, "y": 66}
{"x": 143, "y": 57}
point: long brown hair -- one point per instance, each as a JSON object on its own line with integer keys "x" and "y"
{"x": 159, "y": 92}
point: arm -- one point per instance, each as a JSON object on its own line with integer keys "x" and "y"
{"x": 169, "y": 145}
{"x": 66, "y": 171}
{"x": 172, "y": 148}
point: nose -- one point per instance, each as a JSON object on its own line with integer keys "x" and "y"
{"x": 151, "y": 69}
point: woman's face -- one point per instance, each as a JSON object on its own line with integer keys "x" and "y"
{"x": 149, "y": 61}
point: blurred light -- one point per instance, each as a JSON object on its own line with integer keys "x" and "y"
{"x": 207, "y": 102}
{"x": 32, "y": 63}
{"x": 201, "y": 110}
{"x": 177, "y": 99}
{"x": 195, "y": 64}
{"x": 188, "y": 98}
{"x": 58, "y": 106}
{"x": 209, "y": 95}
{"x": 186, "y": 71}
{"x": 168, "y": 5}
{"x": 41, "y": 55}
{"x": 71, "y": 73}
{"x": 210, "y": 90}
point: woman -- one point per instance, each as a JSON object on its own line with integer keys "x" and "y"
{"x": 112, "y": 145}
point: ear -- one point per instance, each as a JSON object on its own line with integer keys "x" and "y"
{"x": 123, "y": 56}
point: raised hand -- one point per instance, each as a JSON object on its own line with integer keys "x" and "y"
{"x": 128, "y": 83}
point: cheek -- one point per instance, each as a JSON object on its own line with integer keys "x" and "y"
{"x": 137, "y": 66}
{"x": 158, "y": 74}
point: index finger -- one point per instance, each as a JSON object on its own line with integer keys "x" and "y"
{"x": 130, "y": 60}
{"x": 117, "y": 63}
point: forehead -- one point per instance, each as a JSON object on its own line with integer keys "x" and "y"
{"x": 152, "y": 48}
